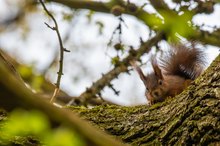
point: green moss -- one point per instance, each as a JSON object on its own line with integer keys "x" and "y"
{"x": 167, "y": 130}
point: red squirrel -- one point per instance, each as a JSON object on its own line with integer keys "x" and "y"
{"x": 173, "y": 73}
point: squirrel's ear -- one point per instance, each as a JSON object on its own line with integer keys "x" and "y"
{"x": 139, "y": 71}
{"x": 156, "y": 68}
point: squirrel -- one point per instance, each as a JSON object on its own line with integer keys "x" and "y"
{"x": 173, "y": 73}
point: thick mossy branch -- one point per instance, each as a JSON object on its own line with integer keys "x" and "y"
{"x": 13, "y": 94}
{"x": 4, "y": 59}
{"x": 193, "y": 117}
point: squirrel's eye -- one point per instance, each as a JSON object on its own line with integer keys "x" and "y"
{"x": 160, "y": 82}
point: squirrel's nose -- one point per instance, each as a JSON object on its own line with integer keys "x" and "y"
{"x": 155, "y": 93}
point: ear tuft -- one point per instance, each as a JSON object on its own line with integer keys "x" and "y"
{"x": 139, "y": 71}
{"x": 156, "y": 68}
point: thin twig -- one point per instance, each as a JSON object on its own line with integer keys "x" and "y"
{"x": 62, "y": 50}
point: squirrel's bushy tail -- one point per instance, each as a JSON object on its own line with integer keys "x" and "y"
{"x": 183, "y": 61}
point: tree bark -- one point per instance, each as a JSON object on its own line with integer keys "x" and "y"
{"x": 13, "y": 94}
{"x": 193, "y": 117}
{"x": 189, "y": 118}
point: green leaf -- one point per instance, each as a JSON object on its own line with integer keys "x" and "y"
{"x": 63, "y": 137}
{"x": 37, "y": 82}
{"x": 101, "y": 26}
{"x": 152, "y": 20}
{"x": 175, "y": 24}
{"x": 90, "y": 15}
{"x": 68, "y": 16}
{"x": 25, "y": 71}
{"x": 22, "y": 122}
{"x": 22, "y": 125}
{"x": 115, "y": 60}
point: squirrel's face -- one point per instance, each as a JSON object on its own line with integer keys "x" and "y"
{"x": 155, "y": 89}
{"x": 155, "y": 85}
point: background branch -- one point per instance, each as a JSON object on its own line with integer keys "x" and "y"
{"x": 62, "y": 50}
{"x": 145, "y": 17}
{"x": 121, "y": 66}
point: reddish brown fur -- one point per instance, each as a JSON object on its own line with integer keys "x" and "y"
{"x": 176, "y": 71}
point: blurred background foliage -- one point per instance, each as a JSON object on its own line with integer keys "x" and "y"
{"x": 22, "y": 127}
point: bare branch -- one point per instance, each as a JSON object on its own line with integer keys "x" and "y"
{"x": 120, "y": 68}
{"x": 206, "y": 37}
{"x": 62, "y": 50}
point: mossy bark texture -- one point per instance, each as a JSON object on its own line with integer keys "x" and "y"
{"x": 193, "y": 117}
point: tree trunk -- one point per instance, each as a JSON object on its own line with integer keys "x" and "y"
{"x": 189, "y": 118}
{"x": 193, "y": 117}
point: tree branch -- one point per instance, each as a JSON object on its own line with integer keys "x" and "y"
{"x": 199, "y": 35}
{"x": 15, "y": 95}
{"x": 141, "y": 14}
{"x": 122, "y": 66}
{"x": 159, "y": 5}
{"x": 191, "y": 117}
{"x": 206, "y": 37}
{"x": 62, "y": 50}
{"x": 85, "y": 4}
{"x": 10, "y": 66}
{"x": 106, "y": 7}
